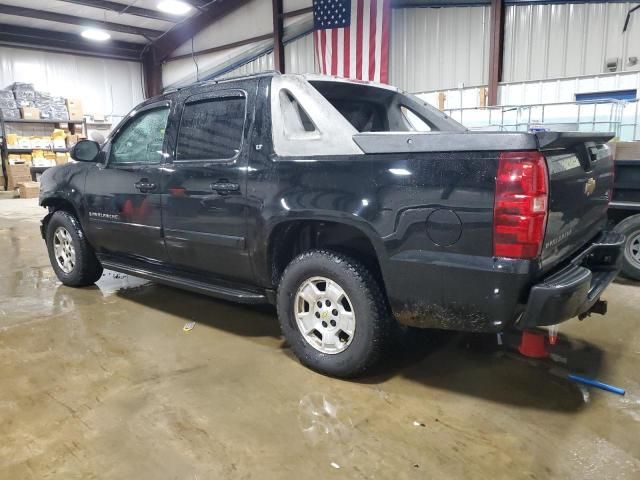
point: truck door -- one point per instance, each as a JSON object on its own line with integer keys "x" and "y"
{"x": 123, "y": 196}
{"x": 204, "y": 199}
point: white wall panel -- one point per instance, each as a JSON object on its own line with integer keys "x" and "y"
{"x": 300, "y": 55}
{"x": 299, "y": 58}
{"x": 566, "y": 40}
{"x": 291, "y": 5}
{"x": 112, "y": 87}
{"x": 537, "y": 92}
{"x": 435, "y": 48}
{"x": 260, "y": 64}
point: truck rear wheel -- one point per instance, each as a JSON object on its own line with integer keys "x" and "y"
{"x": 71, "y": 256}
{"x": 333, "y": 313}
{"x": 630, "y": 227}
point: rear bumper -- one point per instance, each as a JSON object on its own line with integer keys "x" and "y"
{"x": 574, "y": 290}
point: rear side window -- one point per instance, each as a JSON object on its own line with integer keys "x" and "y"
{"x": 211, "y": 129}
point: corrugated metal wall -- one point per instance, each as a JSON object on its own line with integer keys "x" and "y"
{"x": 442, "y": 48}
{"x": 434, "y": 48}
{"x": 300, "y": 55}
{"x": 299, "y": 58}
{"x": 538, "y": 91}
{"x": 260, "y": 64}
{"x": 564, "y": 40}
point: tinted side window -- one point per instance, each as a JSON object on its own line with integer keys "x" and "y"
{"x": 211, "y": 129}
{"x": 141, "y": 140}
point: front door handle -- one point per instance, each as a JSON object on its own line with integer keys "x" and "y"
{"x": 223, "y": 187}
{"x": 145, "y": 186}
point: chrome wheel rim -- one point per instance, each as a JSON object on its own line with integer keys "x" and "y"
{"x": 324, "y": 315}
{"x": 64, "y": 250}
{"x": 633, "y": 249}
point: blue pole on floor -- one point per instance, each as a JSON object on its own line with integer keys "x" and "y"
{"x": 596, "y": 383}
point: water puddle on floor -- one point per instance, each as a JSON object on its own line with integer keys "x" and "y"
{"x": 31, "y": 294}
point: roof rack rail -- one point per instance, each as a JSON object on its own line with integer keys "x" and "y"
{"x": 213, "y": 81}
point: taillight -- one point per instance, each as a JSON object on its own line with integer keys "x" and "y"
{"x": 520, "y": 210}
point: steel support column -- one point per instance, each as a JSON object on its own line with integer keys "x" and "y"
{"x": 496, "y": 49}
{"x": 278, "y": 31}
{"x": 152, "y": 73}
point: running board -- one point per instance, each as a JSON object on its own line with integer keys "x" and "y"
{"x": 218, "y": 291}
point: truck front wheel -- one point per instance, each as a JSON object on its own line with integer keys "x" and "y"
{"x": 71, "y": 256}
{"x": 333, "y": 313}
{"x": 630, "y": 227}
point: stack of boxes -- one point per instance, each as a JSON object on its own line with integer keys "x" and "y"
{"x": 25, "y": 96}
{"x": 8, "y": 105}
{"x": 18, "y": 173}
{"x": 74, "y": 106}
{"x": 51, "y": 108}
{"x": 21, "y": 100}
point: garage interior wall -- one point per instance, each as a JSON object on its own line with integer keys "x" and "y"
{"x": 567, "y": 40}
{"x": 435, "y": 48}
{"x": 250, "y": 20}
{"x": 110, "y": 87}
{"x": 299, "y": 53}
{"x": 548, "y": 49}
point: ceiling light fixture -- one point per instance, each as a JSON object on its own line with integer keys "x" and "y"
{"x": 95, "y": 34}
{"x": 174, "y": 7}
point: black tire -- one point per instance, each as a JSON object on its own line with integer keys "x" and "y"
{"x": 630, "y": 227}
{"x": 87, "y": 269}
{"x": 374, "y": 324}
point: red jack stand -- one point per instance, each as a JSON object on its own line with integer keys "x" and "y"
{"x": 533, "y": 345}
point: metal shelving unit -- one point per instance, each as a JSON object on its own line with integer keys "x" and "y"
{"x": 5, "y": 150}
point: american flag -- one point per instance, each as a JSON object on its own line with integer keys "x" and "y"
{"x": 352, "y": 38}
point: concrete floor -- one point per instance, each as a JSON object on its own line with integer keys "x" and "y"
{"x": 103, "y": 383}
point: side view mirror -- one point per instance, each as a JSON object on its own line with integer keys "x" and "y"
{"x": 85, "y": 151}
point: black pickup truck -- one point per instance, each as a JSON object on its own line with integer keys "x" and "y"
{"x": 353, "y": 207}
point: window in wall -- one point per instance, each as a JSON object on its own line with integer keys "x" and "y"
{"x": 142, "y": 139}
{"x": 211, "y": 129}
{"x": 416, "y": 123}
{"x": 628, "y": 95}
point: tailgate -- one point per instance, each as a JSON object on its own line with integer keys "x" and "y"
{"x": 580, "y": 187}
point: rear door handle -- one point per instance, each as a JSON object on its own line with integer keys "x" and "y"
{"x": 144, "y": 185}
{"x": 224, "y": 187}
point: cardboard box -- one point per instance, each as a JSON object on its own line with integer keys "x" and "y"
{"x": 25, "y": 158}
{"x": 627, "y": 150}
{"x": 74, "y": 102}
{"x": 61, "y": 158}
{"x": 29, "y": 189}
{"x": 74, "y": 105}
{"x": 41, "y": 142}
{"x": 24, "y": 142}
{"x": 12, "y": 140}
{"x": 76, "y": 114}
{"x": 72, "y": 140}
{"x": 30, "y": 113}
{"x": 16, "y": 174}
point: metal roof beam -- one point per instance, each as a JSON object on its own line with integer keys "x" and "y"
{"x": 49, "y": 40}
{"x": 70, "y": 19}
{"x": 182, "y": 32}
{"x": 122, "y": 8}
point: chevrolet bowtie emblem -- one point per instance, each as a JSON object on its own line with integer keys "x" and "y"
{"x": 589, "y": 187}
